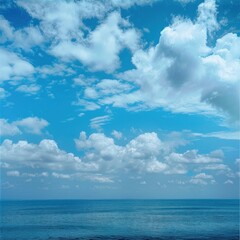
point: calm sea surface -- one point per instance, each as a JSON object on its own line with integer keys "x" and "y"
{"x": 120, "y": 219}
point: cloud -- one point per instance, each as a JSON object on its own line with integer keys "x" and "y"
{"x": 45, "y": 155}
{"x": 87, "y": 105}
{"x": 24, "y": 38}
{"x": 12, "y": 67}
{"x": 96, "y": 53}
{"x": 116, "y": 134}
{"x": 3, "y": 93}
{"x": 98, "y": 122}
{"x": 192, "y": 157}
{"x": 13, "y": 173}
{"x": 145, "y": 154}
{"x": 8, "y": 129}
{"x": 32, "y": 125}
{"x": 106, "y": 87}
{"x": 207, "y": 15}
{"x": 99, "y": 178}
{"x": 60, "y": 175}
{"x": 228, "y": 181}
{"x": 181, "y": 73}
{"x": 6, "y": 185}
{"x": 221, "y": 135}
{"x": 31, "y": 89}
{"x": 202, "y": 179}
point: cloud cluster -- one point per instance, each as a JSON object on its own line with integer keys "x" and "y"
{"x": 145, "y": 154}
{"x": 33, "y": 125}
{"x": 181, "y": 73}
{"x": 102, "y": 160}
{"x": 45, "y": 155}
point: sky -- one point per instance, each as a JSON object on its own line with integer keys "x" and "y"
{"x": 119, "y": 99}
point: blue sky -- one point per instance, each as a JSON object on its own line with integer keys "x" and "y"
{"x": 119, "y": 99}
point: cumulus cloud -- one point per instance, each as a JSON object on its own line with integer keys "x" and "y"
{"x": 145, "y": 153}
{"x": 45, "y": 155}
{"x": 13, "y": 67}
{"x": 8, "y": 129}
{"x": 202, "y": 179}
{"x": 24, "y": 38}
{"x": 97, "y": 53}
{"x": 181, "y": 72}
{"x": 207, "y": 15}
{"x": 33, "y": 125}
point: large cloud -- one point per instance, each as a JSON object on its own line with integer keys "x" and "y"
{"x": 103, "y": 160}
{"x": 183, "y": 74}
{"x": 145, "y": 153}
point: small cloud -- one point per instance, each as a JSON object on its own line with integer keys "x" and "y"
{"x": 98, "y": 122}
{"x": 29, "y": 89}
{"x": 3, "y": 93}
{"x": 6, "y": 185}
{"x": 228, "y": 181}
{"x": 202, "y": 179}
{"x": 116, "y": 134}
{"x": 32, "y": 125}
{"x": 81, "y": 114}
{"x": 13, "y": 173}
{"x": 61, "y": 176}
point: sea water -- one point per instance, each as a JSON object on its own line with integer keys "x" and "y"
{"x": 120, "y": 219}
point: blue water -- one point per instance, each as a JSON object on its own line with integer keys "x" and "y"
{"x": 120, "y": 219}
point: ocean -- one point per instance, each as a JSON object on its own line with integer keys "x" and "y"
{"x": 120, "y": 219}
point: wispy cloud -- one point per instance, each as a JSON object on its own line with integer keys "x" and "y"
{"x": 98, "y": 122}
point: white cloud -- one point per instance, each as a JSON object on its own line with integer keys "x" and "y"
{"x": 192, "y": 156}
{"x": 182, "y": 73}
{"x": 116, "y": 134}
{"x": 97, "y": 53}
{"x": 87, "y": 105}
{"x": 24, "y": 38}
{"x": 8, "y": 129}
{"x": 13, "y": 173}
{"x": 207, "y": 15}
{"x": 32, "y": 125}
{"x": 12, "y": 67}
{"x": 203, "y": 176}
{"x": 228, "y": 181}
{"x": 141, "y": 154}
{"x": 31, "y": 89}
{"x": 99, "y": 178}
{"x": 60, "y": 175}
{"x": 202, "y": 179}
{"x": 221, "y": 135}
{"x": 98, "y": 122}
{"x": 3, "y": 93}
{"x": 45, "y": 155}
{"x": 6, "y": 185}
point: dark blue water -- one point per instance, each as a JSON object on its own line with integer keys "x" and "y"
{"x": 120, "y": 219}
